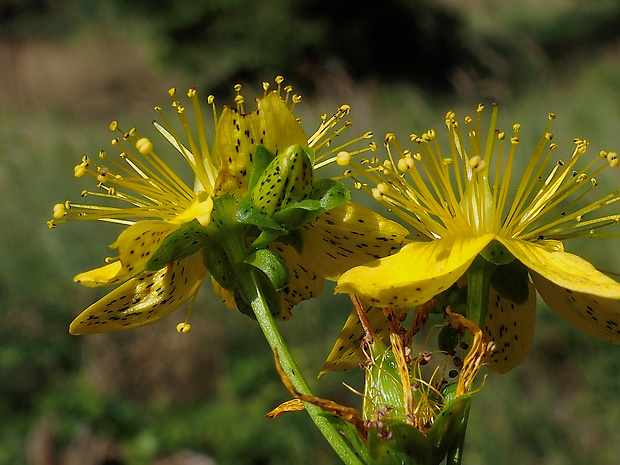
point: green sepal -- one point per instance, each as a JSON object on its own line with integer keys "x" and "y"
{"x": 447, "y": 425}
{"x": 224, "y": 226}
{"x": 249, "y": 214}
{"x": 270, "y": 264}
{"x": 179, "y": 244}
{"x": 330, "y": 193}
{"x": 382, "y": 385}
{"x": 287, "y": 179}
{"x": 260, "y": 161}
{"x": 217, "y": 262}
{"x": 298, "y": 214}
{"x": 399, "y": 444}
{"x": 294, "y": 239}
{"x": 497, "y": 253}
{"x": 447, "y": 338}
{"x": 511, "y": 282}
{"x": 271, "y": 295}
{"x": 355, "y": 441}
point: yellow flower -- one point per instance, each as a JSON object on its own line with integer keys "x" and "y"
{"x": 467, "y": 204}
{"x": 153, "y": 201}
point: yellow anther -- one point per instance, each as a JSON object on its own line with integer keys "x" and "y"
{"x": 477, "y": 164}
{"x": 358, "y": 185}
{"x": 183, "y": 328}
{"x": 594, "y": 182}
{"x": 279, "y": 80}
{"x": 447, "y": 161}
{"x": 383, "y": 188}
{"x": 548, "y": 136}
{"x": 59, "y": 211}
{"x": 172, "y": 91}
{"x": 239, "y": 99}
{"x": 612, "y": 159}
{"x": 551, "y": 116}
{"x": 468, "y": 119}
{"x": 480, "y": 107}
{"x": 450, "y": 115}
{"x": 103, "y": 174}
{"x": 431, "y": 133}
{"x": 514, "y": 140}
{"x": 372, "y": 146}
{"x": 265, "y": 86}
{"x": 296, "y": 98}
{"x": 516, "y": 127}
{"x": 113, "y": 125}
{"x": 377, "y": 194}
{"x": 553, "y": 146}
{"x": 501, "y": 135}
{"x": 157, "y": 108}
{"x": 343, "y": 158}
{"x": 211, "y": 99}
{"x": 191, "y": 92}
{"x": 79, "y": 170}
{"x": 405, "y": 164}
{"x": 144, "y": 146}
{"x": 345, "y": 109}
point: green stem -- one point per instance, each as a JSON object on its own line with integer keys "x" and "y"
{"x": 478, "y": 287}
{"x": 253, "y": 292}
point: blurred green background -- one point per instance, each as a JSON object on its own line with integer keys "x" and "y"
{"x": 153, "y": 396}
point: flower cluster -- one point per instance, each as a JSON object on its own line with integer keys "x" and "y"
{"x": 162, "y": 211}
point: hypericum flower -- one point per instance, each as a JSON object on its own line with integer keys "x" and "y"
{"x": 413, "y": 403}
{"x": 472, "y": 203}
{"x": 149, "y": 197}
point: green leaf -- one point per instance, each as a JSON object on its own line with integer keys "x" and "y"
{"x": 217, "y": 262}
{"x": 270, "y": 264}
{"x": 260, "y": 160}
{"x": 447, "y": 425}
{"x": 271, "y": 295}
{"x": 404, "y": 445}
{"x": 294, "y": 239}
{"x": 353, "y": 438}
{"x": 298, "y": 214}
{"x": 249, "y": 214}
{"x": 330, "y": 193}
{"x": 179, "y": 244}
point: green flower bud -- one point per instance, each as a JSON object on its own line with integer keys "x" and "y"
{"x": 287, "y": 179}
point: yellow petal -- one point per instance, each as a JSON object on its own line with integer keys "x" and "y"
{"x": 281, "y": 128}
{"x": 144, "y": 299}
{"x": 108, "y": 274}
{"x": 562, "y": 268}
{"x": 511, "y": 327}
{"x": 594, "y": 315}
{"x": 225, "y": 296}
{"x": 348, "y": 236}
{"x": 346, "y": 353}
{"x": 236, "y": 135}
{"x": 304, "y": 283}
{"x": 418, "y": 272}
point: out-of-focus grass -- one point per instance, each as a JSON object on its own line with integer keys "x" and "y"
{"x": 154, "y": 392}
